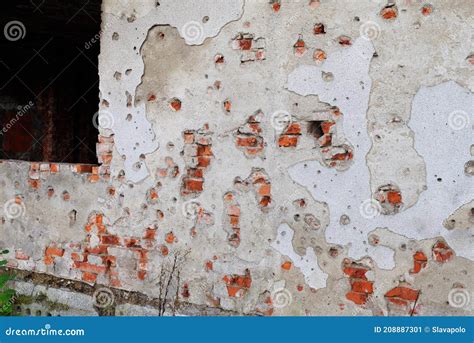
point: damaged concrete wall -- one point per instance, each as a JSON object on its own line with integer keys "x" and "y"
{"x": 266, "y": 157}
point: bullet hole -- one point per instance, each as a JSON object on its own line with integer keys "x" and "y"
{"x": 121, "y": 175}
{"x": 389, "y": 12}
{"x": 469, "y": 168}
{"x": 142, "y": 157}
{"x": 115, "y": 36}
{"x": 427, "y": 9}
{"x": 296, "y": 217}
{"x": 117, "y": 76}
{"x": 470, "y": 60}
{"x": 313, "y": 222}
{"x": 344, "y": 220}
{"x": 128, "y": 71}
{"x": 129, "y": 99}
{"x": 151, "y": 97}
{"x": 344, "y": 40}
{"x": 390, "y": 199}
{"x": 219, "y": 59}
{"x": 449, "y": 224}
{"x": 170, "y": 146}
{"x": 333, "y": 252}
{"x": 129, "y": 117}
{"x": 319, "y": 56}
{"x": 175, "y": 104}
{"x": 356, "y": 19}
{"x": 66, "y": 196}
{"x": 227, "y": 105}
{"x": 276, "y": 5}
{"x": 439, "y": 179}
{"x": 378, "y": 138}
{"x": 471, "y": 216}
{"x": 137, "y": 166}
{"x": 110, "y": 191}
{"x": 205, "y": 19}
{"x": 161, "y": 35}
{"x": 72, "y": 217}
{"x": 327, "y": 76}
{"x": 319, "y": 29}
{"x": 374, "y": 239}
{"x": 403, "y": 247}
{"x": 105, "y": 103}
{"x": 50, "y": 192}
{"x": 299, "y": 47}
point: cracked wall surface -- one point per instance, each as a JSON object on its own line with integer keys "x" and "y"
{"x": 267, "y": 157}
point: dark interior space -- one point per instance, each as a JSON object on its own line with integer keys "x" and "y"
{"x": 49, "y": 82}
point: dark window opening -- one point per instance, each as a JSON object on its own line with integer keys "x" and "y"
{"x": 49, "y": 82}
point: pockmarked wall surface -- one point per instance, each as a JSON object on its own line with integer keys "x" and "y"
{"x": 263, "y": 158}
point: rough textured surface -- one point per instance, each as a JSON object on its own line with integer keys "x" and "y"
{"x": 270, "y": 158}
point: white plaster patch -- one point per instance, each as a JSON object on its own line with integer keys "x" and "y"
{"x": 308, "y": 263}
{"x": 121, "y": 68}
{"x": 346, "y": 193}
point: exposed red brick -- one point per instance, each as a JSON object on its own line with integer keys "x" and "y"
{"x": 419, "y": 262}
{"x": 89, "y": 277}
{"x": 238, "y": 285}
{"x": 344, "y": 40}
{"x": 402, "y": 295}
{"x": 442, "y": 252}
{"x": 248, "y": 136}
{"x": 319, "y": 55}
{"x": 389, "y": 12}
{"x": 299, "y": 47}
{"x": 361, "y": 287}
{"x": 426, "y": 9}
{"x": 319, "y": 29}
{"x": 175, "y": 104}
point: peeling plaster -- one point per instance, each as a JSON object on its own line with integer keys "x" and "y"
{"x": 135, "y": 137}
{"x": 435, "y": 111}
